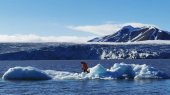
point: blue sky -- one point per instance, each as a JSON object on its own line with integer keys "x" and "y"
{"x": 55, "y": 17}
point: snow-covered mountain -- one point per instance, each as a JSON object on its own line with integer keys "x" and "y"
{"x": 132, "y": 34}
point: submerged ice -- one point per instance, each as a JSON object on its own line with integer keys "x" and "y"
{"x": 117, "y": 71}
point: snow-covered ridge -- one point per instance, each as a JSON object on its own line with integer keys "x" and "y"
{"x": 132, "y": 34}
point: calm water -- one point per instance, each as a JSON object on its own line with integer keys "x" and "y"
{"x": 84, "y": 87}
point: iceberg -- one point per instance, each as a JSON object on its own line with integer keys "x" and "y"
{"x": 25, "y": 73}
{"x": 117, "y": 71}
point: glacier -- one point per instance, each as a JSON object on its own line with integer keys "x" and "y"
{"x": 85, "y": 51}
{"x": 117, "y": 71}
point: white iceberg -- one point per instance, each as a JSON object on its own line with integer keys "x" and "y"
{"x": 117, "y": 71}
{"x": 25, "y": 73}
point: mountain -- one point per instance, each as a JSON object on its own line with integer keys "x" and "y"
{"x": 132, "y": 34}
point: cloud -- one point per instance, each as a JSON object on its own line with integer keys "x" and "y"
{"x": 105, "y": 29}
{"x": 36, "y": 38}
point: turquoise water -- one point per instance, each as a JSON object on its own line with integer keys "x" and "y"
{"x": 84, "y": 87}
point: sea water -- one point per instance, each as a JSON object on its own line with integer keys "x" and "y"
{"x": 82, "y": 86}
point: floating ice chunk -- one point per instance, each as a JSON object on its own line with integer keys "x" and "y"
{"x": 122, "y": 70}
{"x": 62, "y": 75}
{"x": 117, "y": 71}
{"x": 96, "y": 71}
{"x": 25, "y": 73}
{"x": 136, "y": 71}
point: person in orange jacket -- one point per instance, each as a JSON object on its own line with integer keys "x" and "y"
{"x": 84, "y": 67}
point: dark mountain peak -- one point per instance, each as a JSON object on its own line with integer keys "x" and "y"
{"x": 131, "y": 33}
{"x": 129, "y": 27}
